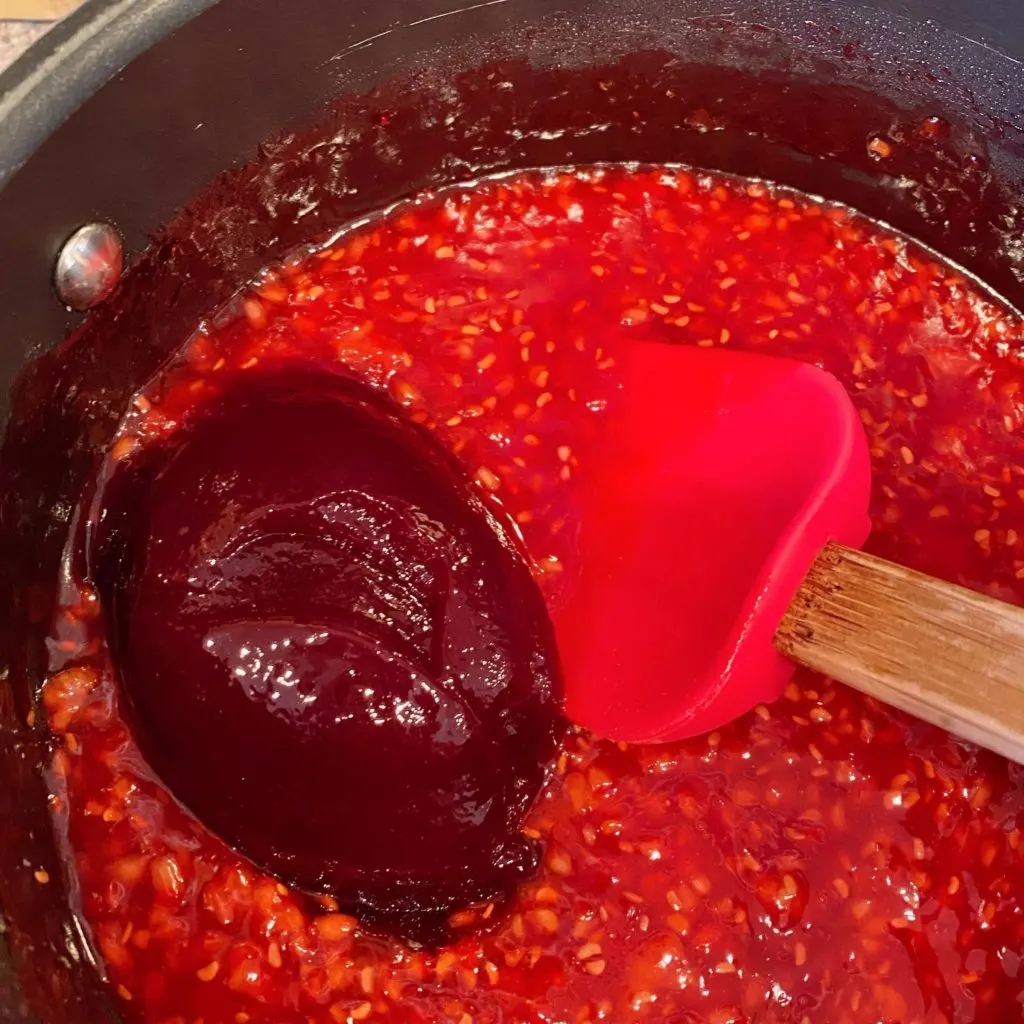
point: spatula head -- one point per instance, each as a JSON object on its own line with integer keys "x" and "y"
{"x": 720, "y": 478}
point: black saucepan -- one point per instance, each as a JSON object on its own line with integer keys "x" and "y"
{"x": 216, "y": 135}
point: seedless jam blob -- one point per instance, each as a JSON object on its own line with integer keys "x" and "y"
{"x": 332, "y": 652}
{"x": 825, "y": 860}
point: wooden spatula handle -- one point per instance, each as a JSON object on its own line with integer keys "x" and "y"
{"x": 946, "y": 654}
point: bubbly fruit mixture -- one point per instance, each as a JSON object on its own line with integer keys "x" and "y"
{"x": 825, "y": 859}
{"x": 304, "y": 592}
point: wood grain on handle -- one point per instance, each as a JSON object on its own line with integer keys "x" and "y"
{"x": 946, "y": 654}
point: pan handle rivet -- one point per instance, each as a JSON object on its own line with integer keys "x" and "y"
{"x": 89, "y": 265}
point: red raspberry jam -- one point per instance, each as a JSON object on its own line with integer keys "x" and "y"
{"x": 306, "y": 593}
{"x": 826, "y": 859}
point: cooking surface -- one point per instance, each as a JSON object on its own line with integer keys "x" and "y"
{"x": 825, "y": 837}
{"x": 164, "y": 872}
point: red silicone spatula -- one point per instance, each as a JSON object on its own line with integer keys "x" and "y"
{"x": 719, "y": 519}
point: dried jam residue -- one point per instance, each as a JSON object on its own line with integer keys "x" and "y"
{"x": 825, "y": 859}
{"x": 317, "y": 622}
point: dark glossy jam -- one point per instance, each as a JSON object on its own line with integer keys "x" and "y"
{"x": 317, "y": 622}
{"x": 825, "y": 860}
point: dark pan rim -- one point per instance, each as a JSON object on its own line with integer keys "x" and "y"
{"x": 74, "y": 59}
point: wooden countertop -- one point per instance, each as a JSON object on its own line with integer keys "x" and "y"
{"x": 16, "y": 37}
{"x": 22, "y": 22}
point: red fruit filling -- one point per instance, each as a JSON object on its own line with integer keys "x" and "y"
{"x": 305, "y": 593}
{"x": 825, "y": 859}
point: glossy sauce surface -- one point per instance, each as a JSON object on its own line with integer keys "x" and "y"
{"x": 316, "y": 622}
{"x": 825, "y": 859}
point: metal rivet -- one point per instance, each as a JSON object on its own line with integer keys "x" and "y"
{"x": 89, "y": 266}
